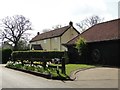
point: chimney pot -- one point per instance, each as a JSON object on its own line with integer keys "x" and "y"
{"x": 38, "y": 33}
{"x": 71, "y": 23}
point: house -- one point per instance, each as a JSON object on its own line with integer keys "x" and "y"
{"x": 53, "y": 40}
{"x": 102, "y": 43}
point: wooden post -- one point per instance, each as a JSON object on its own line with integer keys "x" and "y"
{"x": 63, "y": 66}
{"x": 31, "y": 62}
{"x": 22, "y": 62}
{"x": 44, "y": 63}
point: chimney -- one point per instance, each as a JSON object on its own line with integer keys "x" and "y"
{"x": 38, "y": 33}
{"x": 71, "y": 23}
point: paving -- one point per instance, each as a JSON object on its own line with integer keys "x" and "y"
{"x": 0, "y": 77}
{"x": 98, "y": 77}
{"x": 101, "y": 77}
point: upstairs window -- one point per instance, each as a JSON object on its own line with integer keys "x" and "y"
{"x": 56, "y": 40}
{"x": 45, "y": 41}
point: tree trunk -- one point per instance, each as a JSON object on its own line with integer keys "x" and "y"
{"x": 16, "y": 46}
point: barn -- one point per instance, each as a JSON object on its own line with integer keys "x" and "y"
{"x": 102, "y": 44}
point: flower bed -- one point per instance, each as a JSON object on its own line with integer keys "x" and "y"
{"x": 50, "y": 73}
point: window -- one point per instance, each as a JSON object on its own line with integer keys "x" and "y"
{"x": 45, "y": 41}
{"x": 56, "y": 39}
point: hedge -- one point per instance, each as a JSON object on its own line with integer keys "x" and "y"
{"x": 36, "y": 55}
{"x": 6, "y": 55}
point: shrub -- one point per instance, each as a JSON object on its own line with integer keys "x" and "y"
{"x": 37, "y": 55}
{"x": 6, "y": 55}
{"x": 81, "y": 45}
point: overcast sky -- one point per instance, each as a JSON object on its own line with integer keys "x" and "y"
{"x": 45, "y": 14}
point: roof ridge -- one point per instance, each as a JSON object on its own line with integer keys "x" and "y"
{"x": 54, "y": 29}
{"x": 100, "y": 24}
{"x": 52, "y": 33}
{"x": 94, "y": 32}
{"x": 113, "y": 20}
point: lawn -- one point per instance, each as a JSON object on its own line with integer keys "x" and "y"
{"x": 72, "y": 67}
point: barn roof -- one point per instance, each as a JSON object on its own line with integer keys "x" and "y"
{"x": 100, "y": 32}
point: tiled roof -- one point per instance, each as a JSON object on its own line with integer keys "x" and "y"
{"x": 51, "y": 34}
{"x": 100, "y": 32}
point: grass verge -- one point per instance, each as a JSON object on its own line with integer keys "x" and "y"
{"x": 73, "y": 67}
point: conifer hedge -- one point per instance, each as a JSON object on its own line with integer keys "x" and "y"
{"x": 37, "y": 55}
{"x": 6, "y": 55}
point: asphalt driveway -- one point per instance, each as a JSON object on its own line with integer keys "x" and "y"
{"x": 98, "y": 77}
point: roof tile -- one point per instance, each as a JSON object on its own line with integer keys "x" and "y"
{"x": 100, "y": 32}
{"x": 50, "y": 34}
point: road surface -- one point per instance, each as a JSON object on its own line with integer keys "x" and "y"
{"x": 92, "y": 78}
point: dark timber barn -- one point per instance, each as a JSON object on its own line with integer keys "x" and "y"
{"x": 102, "y": 44}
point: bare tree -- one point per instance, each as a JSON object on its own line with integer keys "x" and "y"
{"x": 23, "y": 45}
{"x": 57, "y": 26}
{"x": 54, "y": 27}
{"x": 88, "y": 22}
{"x": 14, "y": 28}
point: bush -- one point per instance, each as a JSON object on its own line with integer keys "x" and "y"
{"x": 81, "y": 45}
{"x": 6, "y": 55}
{"x": 37, "y": 55}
